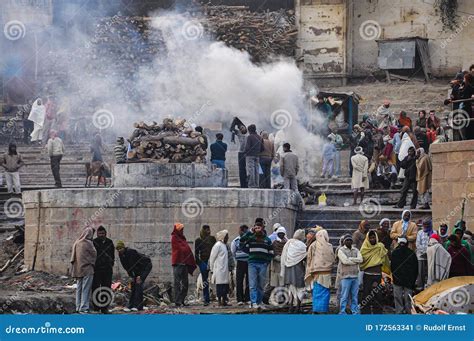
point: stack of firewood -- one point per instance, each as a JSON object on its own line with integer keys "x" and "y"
{"x": 172, "y": 141}
{"x": 261, "y": 34}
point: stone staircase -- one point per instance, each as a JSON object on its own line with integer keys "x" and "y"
{"x": 37, "y": 172}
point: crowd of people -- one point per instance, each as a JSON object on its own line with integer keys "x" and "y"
{"x": 375, "y": 268}
{"x": 386, "y": 151}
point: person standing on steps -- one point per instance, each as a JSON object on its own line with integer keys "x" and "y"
{"x": 12, "y": 162}
{"x": 55, "y": 149}
{"x": 266, "y": 157}
{"x": 409, "y": 165}
{"x": 253, "y": 148}
{"x": 360, "y": 176}
{"x": 424, "y": 170}
{"x": 240, "y": 130}
{"x": 218, "y": 150}
{"x": 289, "y": 167}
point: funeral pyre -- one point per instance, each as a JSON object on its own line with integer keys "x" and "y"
{"x": 172, "y": 141}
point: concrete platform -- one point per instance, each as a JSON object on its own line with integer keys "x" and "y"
{"x": 168, "y": 175}
{"x": 143, "y": 218}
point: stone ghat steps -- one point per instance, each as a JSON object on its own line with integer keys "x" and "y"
{"x": 374, "y": 197}
{"x": 341, "y": 220}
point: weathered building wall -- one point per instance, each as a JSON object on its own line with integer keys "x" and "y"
{"x": 387, "y": 19}
{"x": 453, "y": 180}
{"x": 321, "y": 37}
{"x": 143, "y": 219}
{"x": 338, "y": 37}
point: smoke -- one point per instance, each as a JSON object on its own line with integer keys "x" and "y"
{"x": 208, "y": 81}
{"x": 189, "y": 76}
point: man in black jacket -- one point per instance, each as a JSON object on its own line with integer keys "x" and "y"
{"x": 253, "y": 147}
{"x": 404, "y": 266}
{"x": 409, "y": 164}
{"x": 104, "y": 262}
{"x": 138, "y": 267}
{"x": 202, "y": 251}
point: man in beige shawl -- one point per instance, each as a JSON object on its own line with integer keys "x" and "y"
{"x": 320, "y": 259}
{"x": 423, "y": 177}
{"x": 83, "y": 259}
{"x": 360, "y": 180}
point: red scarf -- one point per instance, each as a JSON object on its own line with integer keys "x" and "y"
{"x": 181, "y": 252}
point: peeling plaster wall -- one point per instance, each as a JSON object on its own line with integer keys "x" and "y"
{"x": 450, "y": 51}
{"x": 331, "y": 39}
{"x": 321, "y": 48}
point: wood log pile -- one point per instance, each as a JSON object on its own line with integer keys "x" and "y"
{"x": 170, "y": 142}
{"x": 261, "y": 34}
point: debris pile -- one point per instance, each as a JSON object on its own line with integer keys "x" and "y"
{"x": 170, "y": 141}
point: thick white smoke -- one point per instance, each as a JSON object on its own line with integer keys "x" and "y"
{"x": 206, "y": 81}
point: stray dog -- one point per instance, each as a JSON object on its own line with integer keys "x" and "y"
{"x": 98, "y": 169}
{"x": 200, "y": 287}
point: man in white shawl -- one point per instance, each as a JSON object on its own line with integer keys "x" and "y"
{"x": 405, "y": 144}
{"x": 292, "y": 268}
{"x": 37, "y": 115}
{"x": 360, "y": 178}
{"x": 439, "y": 261}
{"x": 219, "y": 267}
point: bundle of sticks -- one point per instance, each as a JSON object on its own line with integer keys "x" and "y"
{"x": 172, "y": 141}
{"x": 261, "y": 34}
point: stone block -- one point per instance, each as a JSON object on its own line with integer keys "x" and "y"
{"x": 168, "y": 175}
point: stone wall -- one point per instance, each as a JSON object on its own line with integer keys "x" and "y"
{"x": 337, "y": 38}
{"x": 143, "y": 219}
{"x": 453, "y": 180}
{"x": 168, "y": 175}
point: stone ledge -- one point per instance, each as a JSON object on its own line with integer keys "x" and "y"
{"x": 164, "y": 196}
{"x": 456, "y": 146}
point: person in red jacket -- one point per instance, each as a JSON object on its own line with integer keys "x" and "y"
{"x": 183, "y": 262}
